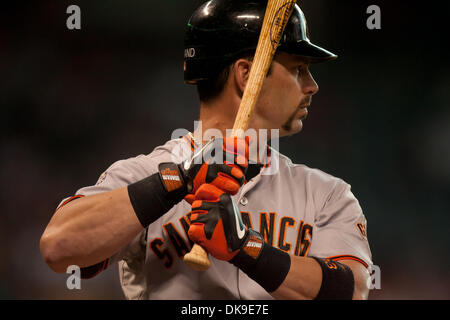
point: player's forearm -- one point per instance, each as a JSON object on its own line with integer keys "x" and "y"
{"x": 305, "y": 279}
{"x": 89, "y": 230}
{"x": 302, "y": 282}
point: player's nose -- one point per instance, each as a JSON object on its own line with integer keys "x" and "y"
{"x": 310, "y": 86}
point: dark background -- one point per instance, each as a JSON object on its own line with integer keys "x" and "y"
{"x": 75, "y": 101}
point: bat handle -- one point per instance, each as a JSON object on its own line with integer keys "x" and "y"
{"x": 197, "y": 259}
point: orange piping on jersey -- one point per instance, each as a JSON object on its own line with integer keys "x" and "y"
{"x": 194, "y": 143}
{"x": 189, "y": 142}
{"x": 348, "y": 257}
{"x": 99, "y": 269}
{"x": 68, "y": 200}
{"x": 104, "y": 266}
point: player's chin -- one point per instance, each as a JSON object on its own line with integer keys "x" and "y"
{"x": 295, "y": 126}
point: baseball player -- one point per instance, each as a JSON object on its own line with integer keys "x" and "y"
{"x": 296, "y": 233}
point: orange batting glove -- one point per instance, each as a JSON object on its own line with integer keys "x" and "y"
{"x": 217, "y": 226}
{"x": 216, "y": 223}
{"x": 221, "y": 162}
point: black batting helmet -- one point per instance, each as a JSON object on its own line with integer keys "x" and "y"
{"x": 220, "y": 30}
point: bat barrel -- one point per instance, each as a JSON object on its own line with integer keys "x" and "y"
{"x": 276, "y": 17}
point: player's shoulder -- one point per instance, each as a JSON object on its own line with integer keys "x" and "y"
{"x": 324, "y": 185}
{"x": 143, "y": 165}
{"x": 174, "y": 150}
{"x": 302, "y": 171}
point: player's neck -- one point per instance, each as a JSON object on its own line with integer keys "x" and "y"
{"x": 219, "y": 117}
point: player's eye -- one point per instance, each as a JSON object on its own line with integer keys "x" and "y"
{"x": 301, "y": 68}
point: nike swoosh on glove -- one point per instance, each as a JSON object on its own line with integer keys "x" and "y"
{"x": 217, "y": 226}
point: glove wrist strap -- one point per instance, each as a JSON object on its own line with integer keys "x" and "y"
{"x": 266, "y": 265}
{"x": 171, "y": 178}
{"x": 153, "y": 196}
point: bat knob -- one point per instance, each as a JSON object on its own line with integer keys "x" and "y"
{"x": 197, "y": 259}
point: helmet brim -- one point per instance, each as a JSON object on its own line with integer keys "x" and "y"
{"x": 308, "y": 50}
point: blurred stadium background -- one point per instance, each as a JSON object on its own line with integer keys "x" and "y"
{"x": 73, "y": 102}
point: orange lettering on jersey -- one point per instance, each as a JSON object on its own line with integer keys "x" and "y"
{"x": 299, "y": 241}
{"x": 306, "y": 239}
{"x": 156, "y": 245}
{"x": 246, "y": 219}
{"x": 175, "y": 238}
{"x": 362, "y": 229}
{"x": 267, "y": 228}
{"x": 285, "y": 221}
{"x": 303, "y": 240}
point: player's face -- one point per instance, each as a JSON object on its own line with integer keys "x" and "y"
{"x": 285, "y": 95}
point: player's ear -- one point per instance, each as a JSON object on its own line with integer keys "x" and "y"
{"x": 241, "y": 73}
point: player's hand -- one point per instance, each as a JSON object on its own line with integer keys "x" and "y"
{"x": 221, "y": 162}
{"x": 217, "y": 226}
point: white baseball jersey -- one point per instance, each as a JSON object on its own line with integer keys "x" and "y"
{"x": 302, "y": 211}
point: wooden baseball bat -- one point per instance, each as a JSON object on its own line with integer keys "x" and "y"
{"x": 276, "y": 17}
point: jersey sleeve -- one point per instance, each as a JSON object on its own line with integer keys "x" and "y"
{"x": 125, "y": 172}
{"x": 118, "y": 175}
{"x": 340, "y": 230}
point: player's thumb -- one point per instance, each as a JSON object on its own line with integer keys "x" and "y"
{"x": 190, "y": 198}
{"x": 208, "y": 192}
